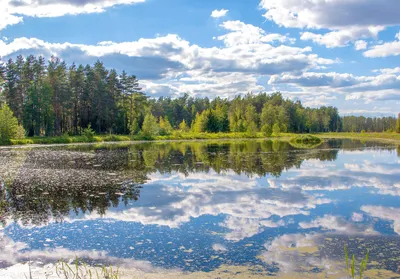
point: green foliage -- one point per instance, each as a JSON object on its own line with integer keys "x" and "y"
{"x": 276, "y": 130}
{"x": 133, "y": 127}
{"x": 150, "y": 128}
{"x": 8, "y": 125}
{"x": 200, "y": 122}
{"x": 307, "y": 139}
{"x": 89, "y": 133}
{"x": 183, "y": 126}
{"x": 51, "y": 99}
{"x": 20, "y": 134}
{"x": 351, "y": 266}
{"x": 267, "y": 130}
{"x": 251, "y": 129}
{"x": 165, "y": 127}
{"x": 398, "y": 124}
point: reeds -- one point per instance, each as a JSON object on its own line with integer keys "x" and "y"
{"x": 351, "y": 266}
{"x": 80, "y": 270}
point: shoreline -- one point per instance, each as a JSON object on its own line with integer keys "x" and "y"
{"x": 380, "y": 137}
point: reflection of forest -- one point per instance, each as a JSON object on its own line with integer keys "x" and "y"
{"x": 47, "y": 183}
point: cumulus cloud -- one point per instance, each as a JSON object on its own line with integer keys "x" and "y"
{"x": 13, "y": 11}
{"x": 385, "y": 49}
{"x": 51, "y": 8}
{"x": 360, "y": 44}
{"x": 244, "y": 34}
{"x": 353, "y": 20}
{"x": 381, "y": 87}
{"x": 342, "y": 38}
{"x": 219, "y": 13}
{"x": 318, "y": 14}
{"x": 172, "y": 65}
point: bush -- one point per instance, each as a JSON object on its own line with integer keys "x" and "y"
{"x": 20, "y": 133}
{"x": 150, "y": 128}
{"x": 276, "y": 130}
{"x": 8, "y": 125}
{"x": 267, "y": 130}
{"x": 305, "y": 141}
{"x": 89, "y": 133}
{"x": 252, "y": 130}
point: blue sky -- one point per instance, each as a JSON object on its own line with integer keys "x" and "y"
{"x": 325, "y": 52}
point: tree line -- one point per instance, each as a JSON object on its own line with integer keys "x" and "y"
{"x": 52, "y": 98}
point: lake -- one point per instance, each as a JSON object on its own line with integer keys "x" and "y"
{"x": 202, "y": 209}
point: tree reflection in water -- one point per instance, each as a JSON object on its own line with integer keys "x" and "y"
{"x": 43, "y": 184}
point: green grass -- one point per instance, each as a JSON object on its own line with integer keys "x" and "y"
{"x": 299, "y": 139}
{"x": 69, "y": 139}
{"x": 386, "y": 136}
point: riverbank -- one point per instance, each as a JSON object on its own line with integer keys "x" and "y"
{"x": 383, "y": 137}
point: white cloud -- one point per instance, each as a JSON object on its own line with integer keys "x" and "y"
{"x": 385, "y": 49}
{"x": 342, "y": 38}
{"x": 219, "y": 13}
{"x": 360, "y": 45}
{"x": 317, "y": 14}
{"x": 13, "y": 11}
{"x": 382, "y": 87}
{"x": 245, "y": 34}
{"x": 172, "y": 65}
{"x": 388, "y": 71}
{"x": 8, "y": 19}
{"x": 352, "y": 20}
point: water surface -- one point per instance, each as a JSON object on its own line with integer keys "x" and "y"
{"x": 262, "y": 207}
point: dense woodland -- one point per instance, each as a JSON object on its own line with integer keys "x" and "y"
{"x": 53, "y": 98}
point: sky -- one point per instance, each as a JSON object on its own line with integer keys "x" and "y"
{"x": 343, "y": 53}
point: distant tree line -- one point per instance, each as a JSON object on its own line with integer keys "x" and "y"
{"x": 369, "y": 124}
{"x": 53, "y": 98}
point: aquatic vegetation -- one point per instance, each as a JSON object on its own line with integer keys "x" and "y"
{"x": 351, "y": 266}
{"x": 305, "y": 141}
{"x": 78, "y": 269}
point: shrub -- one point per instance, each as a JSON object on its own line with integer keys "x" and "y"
{"x": 8, "y": 125}
{"x": 20, "y": 133}
{"x": 89, "y": 133}
{"x": 150, "y": 127}
{"x": 276, "y": 130}
{"x": 252, "y": 129}
{"x": 267, "y": 130}
{"x": 305, "y": 141}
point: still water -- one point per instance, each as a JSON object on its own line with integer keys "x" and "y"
{"x": 223, "y": 209}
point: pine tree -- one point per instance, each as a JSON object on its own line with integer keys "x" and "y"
{"x": 398, "y": 124}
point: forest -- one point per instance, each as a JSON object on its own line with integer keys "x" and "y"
{"x": 52, "y": 98}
